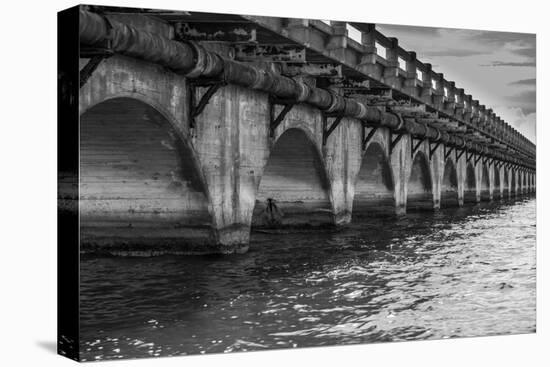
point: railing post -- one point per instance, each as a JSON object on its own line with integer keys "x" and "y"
{"x": 368, "y": 63}
{"x": 467, "y": 115}
{"x": 411, "y": 80}
{"x": 427, "y": 87}
{"x": 391, "y": 71}
{"x": 338, "y": 42}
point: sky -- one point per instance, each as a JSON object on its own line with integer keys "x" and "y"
{"x": 496, "y": 68}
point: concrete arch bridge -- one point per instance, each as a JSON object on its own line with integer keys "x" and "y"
{"x": 196, "y": 127}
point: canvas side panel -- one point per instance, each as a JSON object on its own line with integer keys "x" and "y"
{"x": 68, "y": 178}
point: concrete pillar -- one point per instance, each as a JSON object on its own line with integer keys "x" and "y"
{"x": 461, "y": 178}
{"x": 343, "y": 156}
{"x": 400, "y": 164}
{"x": 437, "y": 163}
{"x": 509, "y": 175}
{"x": 232, "y": 140}
{"x": 501, "y": 179}
{"x": 478, "y": 169}
{"x": 492, "y": 182}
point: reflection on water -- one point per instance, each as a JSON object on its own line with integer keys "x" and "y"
{"x": 458, "y": 272}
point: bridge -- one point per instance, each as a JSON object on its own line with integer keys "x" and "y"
{"x": 196, "y": 127}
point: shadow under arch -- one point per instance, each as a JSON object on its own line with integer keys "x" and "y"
{"x": 374, "y": 185}
{"x": 485, "y": 188}
{"x": 419, "y": 186}
{"x": 470, "y": 195}
{"x": 294, "y": 188}
{"x": 141, "y": 187}
{"x": 449, "y": 186}
{"x": 496, "y": 186}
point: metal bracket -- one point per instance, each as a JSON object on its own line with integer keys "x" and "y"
{"x": 367, "y": 138}
{"x": 432, "y": 150}
{"x": 89, "y": 68}
{"x": 457, "y": 156}
{"x": 414, "y": 147}
{"x": 197, "y": 108}
{"x": 447, "y": 153}
{"x": 469, "y": 157}
{"x": 275, "y": 122}
{"x": 395, "y": 141}
{"x": 477, "y": 159}
{"x": 333, "y": 126}
{"x": 96, "y": 56}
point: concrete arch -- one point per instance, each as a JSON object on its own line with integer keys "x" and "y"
{"x": 119, "y": 77}
{"x": 449, "y": 185}
{"x": 294, "y": 188}
{"x": 485, "y": 184}
{"x": 470, "y": 186}
{"x": 374, "y": 185}
{"x": 420, "y": 185}
{"x": 140, "y": 181}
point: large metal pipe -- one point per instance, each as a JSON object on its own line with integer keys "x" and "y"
{"x": 192, "y": 60}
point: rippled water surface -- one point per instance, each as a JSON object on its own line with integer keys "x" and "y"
{"x": 460, "y": 272}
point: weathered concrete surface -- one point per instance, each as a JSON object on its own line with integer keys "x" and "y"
{"x": 151, "y": 183}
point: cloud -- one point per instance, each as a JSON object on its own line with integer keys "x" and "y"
{"x": 454, "y": 53}
{"x": 529, "y": 52}
{"x": 526, "y": 100}
{"x": 525, "y": 123}
{"x": 524, "y": 82}
{"x": 530, "y": 64}
{"x": 500, "y": 39}
{"x": 410, "y": 30}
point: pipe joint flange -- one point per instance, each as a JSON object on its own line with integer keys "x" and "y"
{"x": 363, "y": 111}
{"x": 445, "y": 137}
{"x": 438, "y": 137}
{"x": 201, "y": 60}
{"x": 304, "y": 91}
{"x": 259, "y": 78}
{"x": 338, "y": 104}
{"x": 212, "y": 62}
{"x": 424, "y": 133}
{"x": 401, "y": 125}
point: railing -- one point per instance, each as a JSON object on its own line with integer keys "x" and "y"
{"x": 434, "y": 89}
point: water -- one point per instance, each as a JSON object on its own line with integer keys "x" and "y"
{"x": 456, "y": 273}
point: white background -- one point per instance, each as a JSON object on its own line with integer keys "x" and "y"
{"x": 28, "y": 182}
